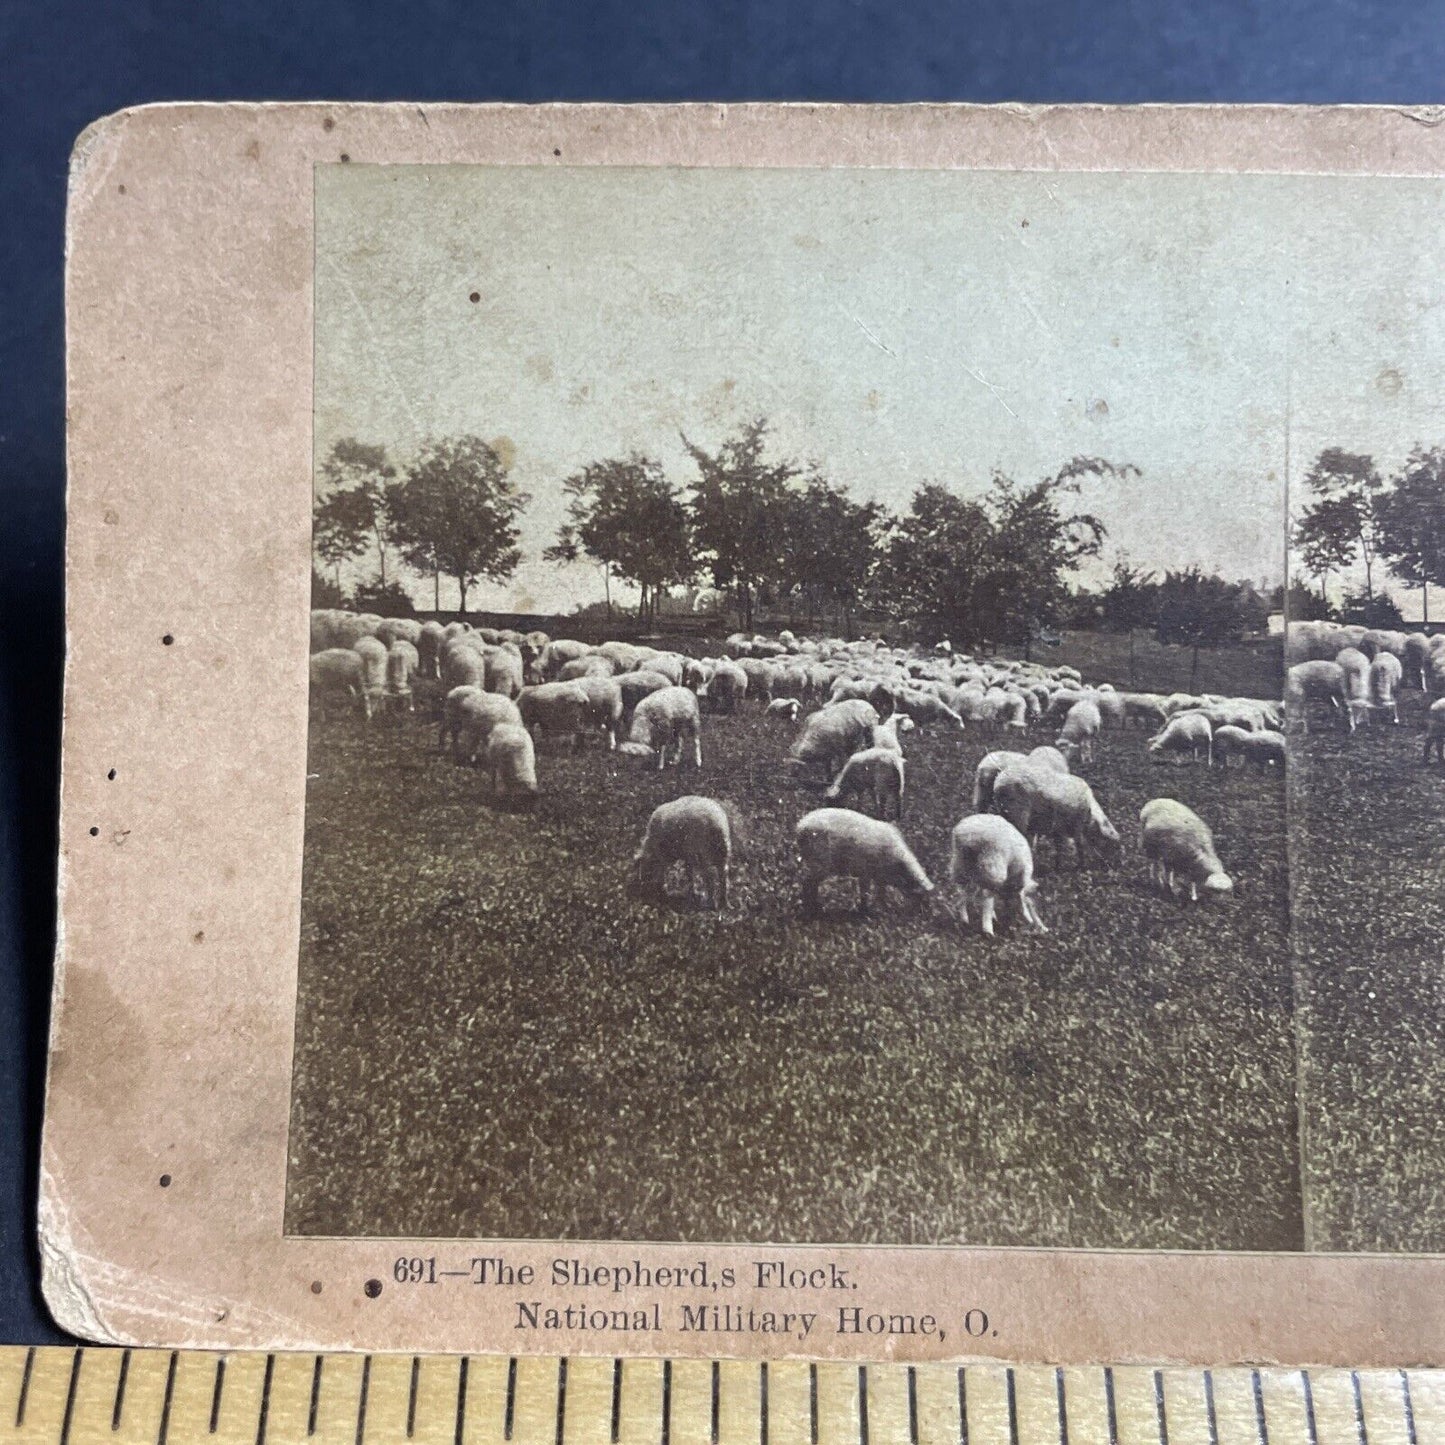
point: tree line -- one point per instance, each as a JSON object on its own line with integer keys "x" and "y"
{"x": 1358, "y": 518}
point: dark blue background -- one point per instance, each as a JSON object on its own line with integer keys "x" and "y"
{"x": 66, "y": 63}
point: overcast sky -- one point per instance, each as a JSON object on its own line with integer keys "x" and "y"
{"x": 896, "y": 328}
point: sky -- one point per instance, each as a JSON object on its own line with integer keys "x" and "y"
{"x": 895, "y": 327}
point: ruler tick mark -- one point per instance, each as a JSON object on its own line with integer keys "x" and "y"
{"x": 713, "y": 1402}
{"x": 411, "y": 1397}
{"x": 813, "y": 1404}
{"x": 1161, "y": 1420}
{"x": 1013, "y": 1407}
{"x": 1209, "y": 1413}
{"x": 1409, "y": 1407}
{"x": 119, "y": 1405}
{"x": 1259, "y": 1420}
{"x": 616, "y": 1400}
{"x": 216, "y": 1394}
{"x": 265, "y": 1399}
{"x": 862, "y": 1405}
{"x": 361, "y": 1404}
{"x": 1309, "y": 1395}
{"x": 70, "y": 1398}
{"x": 763, "y": 1403}
{"x": 912, "y": 1406}
{"x": 1059, "y": 1405}
{"x": 315, "y": 1395}
{"x": 1111, "y": 1405}
{"x": 165, "y": 1426}
{"x": 461, "y": 1401}
{"x": 561, "y": 1398}
{"x": 666, "y": 1402}
{"x": 511, "y": 1399}
{"x": 24, "y": 1387}
{"x": 1359, "y": 1408}
{"x": 962, "y": 1407}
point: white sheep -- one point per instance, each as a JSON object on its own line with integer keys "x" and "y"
{"x": 604, "y": 706}
{"x": 373, "y": 671}
{"x": 991, "y": 860}
{"x": 512, "y": 761}
{"x": 1008, "y": 711}
{"x": 924, "y": 708}
{"x": 1434, "y": 730}
{"x": 986, "y": 774}
{"x": 1417, "y": 659}
{"x": 726, "y": 688}
{"x": 429, "y": 649}
{"x": 1180, "y": 849}
{"x": 1264, "y": 748}
{"x": 783, "y": 709}
{"x": 1317, "y": 679}
{"x": 1184, "y": 733}
{"x": 1383, "y": 680}
{"x": 462, "y": 665}
{"x": 1146, "y": 708}
{"x": 468, "y": 717}
{"x": 833, "y": 734}
{"x": 839, "y": 843}
{"x": 876, "y": 771}
{"x": 1081, "y": 727}
{"x": 664, "y": 721}
{"x": 338, "y": 672}
{"x": 502, "y": 672}
{"x": 402, "y": 661}
{"x": 557, "y": 707}
{"x": 1042, "y": 803}
{"x": 1356, "y": 668}
{"x": 635, "y": 686}
{"x": 696, "y": 832}
{"x": 891, "y": 731}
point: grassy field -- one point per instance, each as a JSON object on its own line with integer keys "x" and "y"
{"x": 496, "y": 1038}
{"x": 1369, "y": 936}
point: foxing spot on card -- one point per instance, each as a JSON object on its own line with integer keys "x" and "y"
{"x": 777, "y": 731}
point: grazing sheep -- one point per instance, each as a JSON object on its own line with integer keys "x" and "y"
{"x": 924, "y": 708}
{"x": 1008, "y": 711}
{"x": 1228, "y": 741}
{"x": 839, "y": 843}
{"x": 468, "y": 717}
{"x": 338, "y": 672}
{"x": 1417, "y": 655}
{"x": 635, "y": 686}
{"x": 556, "y": 655}
{"x": 833, "y": 734}
{"x": 1047, "y": 756}
{"x": 890, "y": 732}
{"x": 986, "y": 774}
{"x": 398, "y": 629}
{"x": 759, "y": 675}
{"x": 462, "y": 665}
{"x": 666, "y": 720}
{"x": 1317, "y": 679}
{"x": 1081, "y": 727}
{"x": 863, "y": 689}
{"x": 696, "y": 832}
{"x": 1356, "y": 668}
{"x": 990, "y": 859}
{"x": 402, "y": 662}
{"x": 1180, "y": 849}
{"x": 593, "y": 665}
{"x": 726, "y": 688}
{"x": 1385, "y": 676}
{"x": 878, "y": 771}
{"x": 1184, "y": 733}
{"x": 1264, "y": 749}
{"x": 1146, "y": 708}
{"x": 784, "y": 709}
{"x": 502, "y": 672}
{"x": 557, "y": 707}
{"x": 512, "y": 761}
{"x": 1042, "y": 803}
{"x": 604, "y": 706}
{"x": 429, "y": 649}
{"x": 1434, "y": 729}
{"x": 373, "y": 671}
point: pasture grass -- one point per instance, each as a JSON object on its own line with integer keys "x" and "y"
{"x": 497, "y": 1038}
{"x": 1369, "y": 937}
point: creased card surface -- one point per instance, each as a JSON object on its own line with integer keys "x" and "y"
{"x": 766, "y": 731}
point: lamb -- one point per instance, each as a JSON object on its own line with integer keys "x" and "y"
{"x": 556, "y": 707}
{"x": 833, "y": 734}
{"x": 1041, "y": 803}
{"x": 1326, "y": 680}
{"x": 890, "y": 732}
{"x": 1434, "y": 729}
{"x": 986, "y": 774}
{"x": 512, "y": 761}
{"x": 1184, "y": 733}
{"x": 839, "y": 843}
{"x": 783, "y": 709}
{"x": 696, "y": 832}
{"x": 373, "y": 671}
{"x": 665, "y": 720}
{"x": 878, "y": 771}
{"x": 338, "y": 672}
{"x": 1180, "y": 849}
{"x": 1081, "y": 727}
{"x": 1383, "y": 679}
{"x": 990, "y": 859}
{"x": 401, "y": 662}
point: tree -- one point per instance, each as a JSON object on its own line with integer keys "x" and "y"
{"x": 339, "y": 531}
{"x": 1129, "y": 602}
{"x": 738, "y": 511}
{"x": 358, "y": 477}
{"x": 1344, "y": 523}
{"x": 626, "y": 515}
{"x": 1412, "y": 523}
{"x": 324, "y": 592}
{"x": 455, "y": 511}
{"x": 1198, "y": 609}
{"x": 931, "y": 561}
{"x": 829, "y": 547}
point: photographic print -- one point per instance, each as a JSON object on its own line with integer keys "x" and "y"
{"x": 796, "y": 702}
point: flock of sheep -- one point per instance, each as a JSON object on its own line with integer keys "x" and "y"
{"x": 1358, "y": 673}
{"x": 846, "y": 710}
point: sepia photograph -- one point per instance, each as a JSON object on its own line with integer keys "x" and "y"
{"x": 874, "y": 706}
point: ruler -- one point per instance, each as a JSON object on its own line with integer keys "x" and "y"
{"x": 63, "y": 1396}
